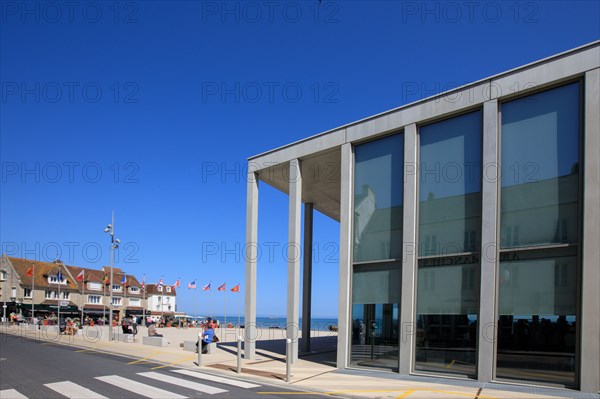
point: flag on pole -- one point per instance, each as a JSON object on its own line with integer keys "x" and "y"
{"x": 236, "y": 288}
{"x": 160, "y": 283}
{"x": 144, "y": 282}
{"x": 106, "y": 280}
{"x": 124, "y": 280}
{"x": 29, "y": 272}
{"x": 206, "y": 287}
{"x": 59, "y": 276}
{"x": 177, "y": 283}
{"x": 192, "y": 285}
{"x": 80, "y": 276}
{"x": 222, "y": 287}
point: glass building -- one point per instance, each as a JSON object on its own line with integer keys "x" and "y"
{"x": 469, "y": 229}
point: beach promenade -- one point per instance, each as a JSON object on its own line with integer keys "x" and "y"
{"x": 313, "y": 373}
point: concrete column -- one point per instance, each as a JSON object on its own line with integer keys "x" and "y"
{"x": 293, "y": 253}
{"x": 489, "y": 248}
{"x": 251, "y": 257}
{"x": 346, "y": 221}
{"x": 307, "y": 276}
{"x": 589, "y": 323}
{"x": 409, "y": 251}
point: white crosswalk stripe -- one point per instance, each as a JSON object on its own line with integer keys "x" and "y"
{"x": 139, "y": 388}
{"x": 11, "y": 394}
{"x": 182, "y": 383}
{"x": 72, "y": 390}
{"x": 214, "y": 378}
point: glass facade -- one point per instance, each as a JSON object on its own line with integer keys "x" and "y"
{"x": 534, "y": 313}
{"x": 450, "y": 186}
{"x": 449, "y": 236}
{"x": 378, "y": 188}
{"x": 539, "y": 225}
{"x": 375, "y": 317}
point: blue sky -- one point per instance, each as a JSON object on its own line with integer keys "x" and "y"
{"x": 151, "y": 108}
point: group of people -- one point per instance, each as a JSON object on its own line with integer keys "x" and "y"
{"x": 130, "y": 325}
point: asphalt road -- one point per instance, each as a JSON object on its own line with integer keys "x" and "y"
{"x": 38, "y": 369}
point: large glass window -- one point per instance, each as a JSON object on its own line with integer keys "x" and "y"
{"x": 540, "y": 162}
{"x": 375, "y": 307}
{"x": 539, "y": 225}
{"x": 449, "y": 237}
{"x": 450, "y": 186}
{"x": 378, "y": 188}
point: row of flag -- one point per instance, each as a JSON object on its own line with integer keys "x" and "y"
{"x": 191, "y": 285}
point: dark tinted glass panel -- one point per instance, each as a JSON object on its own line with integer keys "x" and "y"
{"x": 447, "y": 308}
{"x": 537, "y": 325}
{"x": 375, "y": 307}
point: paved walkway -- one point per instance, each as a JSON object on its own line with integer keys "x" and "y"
{"x": 314, "y": 372}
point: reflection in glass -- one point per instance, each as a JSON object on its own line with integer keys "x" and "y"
{"x": 540, "y": 158}
{"x": 375, "y": 307}
{"x": 450, "y": 185}
{"x": 447, "y": 308}
{"x": 537, "y": 320}
{"x": 378, "y": 199}
{"x": 449, "y": 224}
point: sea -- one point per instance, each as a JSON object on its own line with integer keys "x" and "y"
{"x": 316, "y": 324}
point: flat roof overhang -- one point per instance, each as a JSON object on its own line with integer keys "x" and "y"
{"x": 320, "y": 155}
{"x": 320, "y": 180}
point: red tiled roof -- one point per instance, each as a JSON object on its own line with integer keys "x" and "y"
{"x": 41, "y": 271}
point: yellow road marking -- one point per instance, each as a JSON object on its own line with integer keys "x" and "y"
{"x": 146, "y": 358}
{"x": 91, "y": 349}
{"x": 294, "y": 393}
{"x": 405, "y": 394}
{"x": 174, "y": 363}
{"x": 449, "y": 366}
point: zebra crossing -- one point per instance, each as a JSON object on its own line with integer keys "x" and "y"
{"x": 71, "y": 389}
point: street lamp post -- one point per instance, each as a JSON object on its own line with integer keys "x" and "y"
{"x": 5, "y": 293}
{"x": 114, "y": 244}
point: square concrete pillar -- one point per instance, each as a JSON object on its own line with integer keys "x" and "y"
{"x": 589, "y": 322}
{"x": 489, "y": 248}
{"x": 408, "y": 296}
{"x": 251, "y": 254}
{"x": 293, "y": 255}
{"x": 346, "y": 220}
